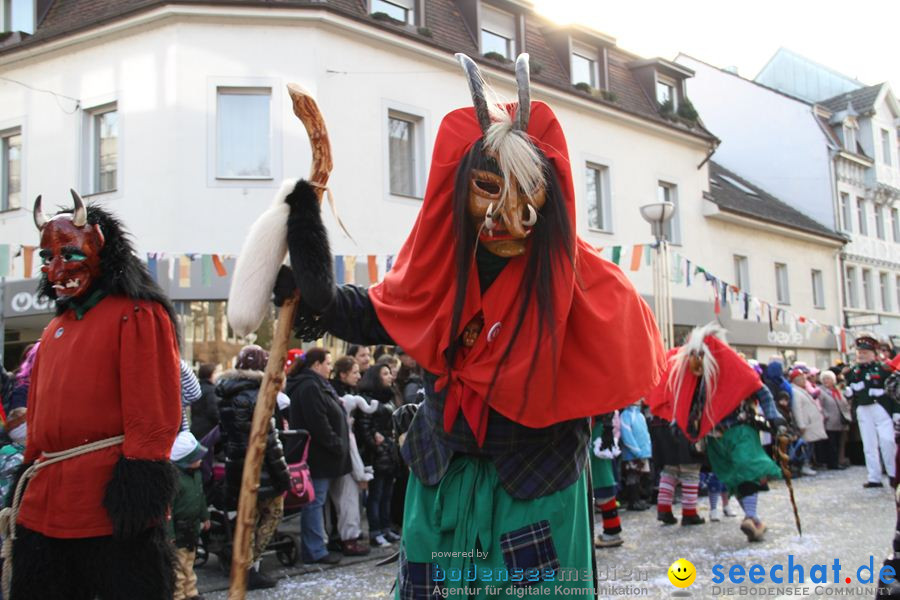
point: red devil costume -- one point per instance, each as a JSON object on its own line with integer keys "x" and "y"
{"x": 709, "y": 392}
{"x": 524, "y": 333}
{"x": 105, "y": 394}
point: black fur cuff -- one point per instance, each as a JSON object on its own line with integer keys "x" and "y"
{"x": 308, "y": 244}
{"x": 139, "y": 495}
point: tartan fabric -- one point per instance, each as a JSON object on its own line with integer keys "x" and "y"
{"x": 416, "y": 580}
{"x": 530, "y": 462}
{"x": 528, "y": 549}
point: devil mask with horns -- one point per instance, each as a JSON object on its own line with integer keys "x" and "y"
{"x": 70, "y": 250}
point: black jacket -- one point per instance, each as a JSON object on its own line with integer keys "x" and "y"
{"x": 383, "y": 457}
{"x": 316, "y": 408}
{"x": 238, "y": 391}
{"x": 205, "y": 410}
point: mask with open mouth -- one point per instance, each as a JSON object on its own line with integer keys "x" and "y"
{"x": 70, "y": 250}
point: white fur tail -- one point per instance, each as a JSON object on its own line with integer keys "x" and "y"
{"x": 352, "y": 402}
{"x": 262, "y": 254}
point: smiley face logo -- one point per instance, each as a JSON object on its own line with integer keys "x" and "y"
{"x": 682, "y": 573}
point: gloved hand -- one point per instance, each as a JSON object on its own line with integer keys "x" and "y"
{"x": 285, "y": 285}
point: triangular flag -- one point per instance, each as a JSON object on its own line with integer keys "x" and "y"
{"x": 217, "y": 264}
{"x": 616, "y": 254}
{"x": 206, "y": 269}
{"x": 29, "y": 260}
{"x": 339, "y": 269}
{"x": 350, "y": 269}
{"x": 373, "y": 269}
{"x": 390, "y": 263}
{"x": 648, "y": 256}
{"x": 184, "y": 271}
{"x": 152, "y": 266}
{"x": 636, "y": 253}
{"x": 4, "y": 260}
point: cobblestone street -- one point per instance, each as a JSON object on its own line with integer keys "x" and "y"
{"x": 840, "y": 520}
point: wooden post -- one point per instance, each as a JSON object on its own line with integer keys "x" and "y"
{"x": 308, "y": 112}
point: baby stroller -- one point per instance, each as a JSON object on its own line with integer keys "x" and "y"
{"x": 219, "y": 538}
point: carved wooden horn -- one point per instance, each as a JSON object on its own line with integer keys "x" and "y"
{"x": 523, "y": 80}
{"x": 80, "y": 217}
{"x": 476, "y": 86}
{"x": 40, "y": 219}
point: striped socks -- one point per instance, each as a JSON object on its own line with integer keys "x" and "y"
{"x": 666, "y": 495}
{"x": 612, "y": 524}
{"x": 689, "y": 498}
{"x": 748, "y": 503}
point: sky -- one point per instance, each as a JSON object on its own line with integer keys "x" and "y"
{"x": 857, "y": 38}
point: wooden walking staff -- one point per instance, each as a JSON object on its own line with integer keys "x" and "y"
{"x": 308, "y": 112}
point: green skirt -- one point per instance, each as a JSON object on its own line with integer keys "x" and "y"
{"x": 738, "y": 457}
{"x": 469, "y": 535}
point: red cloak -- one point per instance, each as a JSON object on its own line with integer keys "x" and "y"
{"x": 608, "y": 352}
{"x": 737, "y": 381}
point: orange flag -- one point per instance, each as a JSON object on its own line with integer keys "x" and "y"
{"x": 217, "y": 264}
{"x": 29, "y": 260}
{"x": 373, "y": 270}
{"x": 636, "y": 254}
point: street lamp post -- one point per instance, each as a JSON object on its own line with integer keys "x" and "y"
{"x": 658, "y": 214}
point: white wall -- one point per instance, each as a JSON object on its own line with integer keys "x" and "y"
{"x": 770, "y": 139}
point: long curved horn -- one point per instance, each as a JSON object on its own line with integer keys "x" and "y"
{"x": 80, "y": 218}
{"x": 476, "y": 87}
{"x": 40, "y": 219}
{"x": 523, "y": 80}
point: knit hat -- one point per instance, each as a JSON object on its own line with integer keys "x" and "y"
{"x": 293, "y": 355}
{"x": 796, "y": 371}
{"x": 252, "y": 358}
{"x": 186, "y": 450}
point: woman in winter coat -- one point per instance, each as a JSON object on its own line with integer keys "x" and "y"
{"x": 205, "y": 410}
{"x": 316, "y": 407}
{"x": 835, "y": 408}
{"x": 374, "y": 436}
{"x": 238, "y": 390}
{"x": 807, "y": 416}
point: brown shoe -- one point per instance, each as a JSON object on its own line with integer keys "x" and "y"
{"x": 753, "y": 530}
{"x": 355, "y": 548}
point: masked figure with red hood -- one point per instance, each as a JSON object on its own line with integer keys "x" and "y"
{"x": 710, "y": 392}
{"x": 87, "y": 518}
{"x": 506, "y": 310}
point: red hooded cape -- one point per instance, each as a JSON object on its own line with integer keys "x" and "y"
{"x": 737, "y": 381}
{"x": 608, "y": 350}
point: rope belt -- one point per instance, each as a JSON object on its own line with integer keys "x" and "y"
{"x": 10, "y": 514}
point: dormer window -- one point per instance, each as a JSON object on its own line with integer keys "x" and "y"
{"x": 399, "y": 10}
{"x": 584, "y": 65}
{"x": 498, "y": 32}
{"x": 665, "y": 91}
{"x": 17, "y": 15}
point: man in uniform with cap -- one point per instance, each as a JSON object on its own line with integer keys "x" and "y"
{"x": 873, "y": 407}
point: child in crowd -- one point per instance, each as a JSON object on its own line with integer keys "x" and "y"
{"x": 190, "y": 513}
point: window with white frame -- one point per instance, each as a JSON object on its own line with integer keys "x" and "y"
{"x": 17, "y": 15}
{"x": 742, "y": 272}
{"x": 851, "y": 295}
{"x": 665, "y": 91}
{"x": 846, "y": 213}
{"x": 868, "y": 300}
{"x": 818, "y": 289}
{"x": 401, "y": 10}
{"x": 862, "y": 216}
{"x": 243, "y": 133}
{"x": 584, "y": 65}
{"x": 782, "y": 291}
{"x": 886, "y": 147}
{"x": 498, "y": 32}
{"x": 404, "y": 154}
{"x": 668, "y": 192}
{"x": 895, "y": 224}
{"x": 102, "y": 149}
{"x": 598, "y": 197}
{"x": 11, "y": 169}
{"x": 879, "y": 222}
{"x": 884, "y": 285}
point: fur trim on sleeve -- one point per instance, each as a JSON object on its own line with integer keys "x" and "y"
{"x": 310, "y": 252}
{"x": 139, "y": 495}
